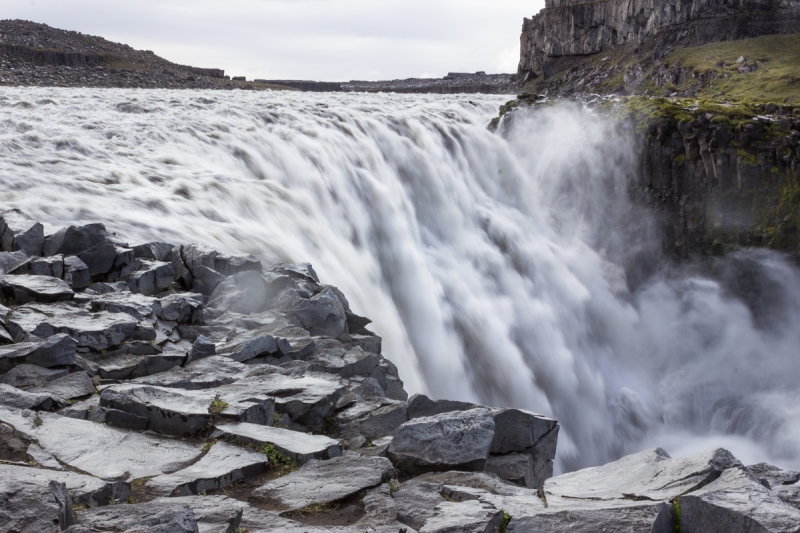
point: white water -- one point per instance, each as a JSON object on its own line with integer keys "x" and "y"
{"x": 494, "y": 269}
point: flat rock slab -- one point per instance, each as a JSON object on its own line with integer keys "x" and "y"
{"x": 58, "y": 350}
{"x": 151, "y": 517}
{"x": 319, "y": 482}
{"x": 112, "y": 453}
{"x": 14, "y": 398}
{"x": 650, "y": 517}
{"x": 737, "y": 502}
{"x": 458, "y": 440}
{"x": 138, "y": 306}
{"x": 69, "y": 387}
{"x": 206, "y": 373}
{"x": 300, "y": 447}
{"x": 774, "y": 475}
{"x": 466, "y": 517}
{"x": 222, "y": 465}
{"x": 24, "y": 288}
{"x": 97, "y": 331}
{"x": 26, "y": 503}
{"x": 40, "y": 266}
{"x": 25, "y": 376}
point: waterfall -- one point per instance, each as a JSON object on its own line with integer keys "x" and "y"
{"x": 506, "y": 269}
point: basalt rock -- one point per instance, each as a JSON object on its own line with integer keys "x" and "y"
{"x": 44, "y": 289}
{"x": 20, "y": 233}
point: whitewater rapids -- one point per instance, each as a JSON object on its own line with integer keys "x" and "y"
{"x": 502, "y": 269}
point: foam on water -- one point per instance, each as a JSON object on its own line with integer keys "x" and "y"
{"x": 508, "y": 270}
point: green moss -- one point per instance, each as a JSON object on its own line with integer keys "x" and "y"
{"x": 504, "y": 525}
{"x": 676, "y": 504}
{"x": 747, "y": 158}
{"x": 279, "y": 460}
{"x": 217, "y": 406}
{"x": 679, "y": 159}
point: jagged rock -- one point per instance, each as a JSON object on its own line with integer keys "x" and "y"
{"x": 299, "y": 447}
{"x": 416, "y": 502}
{"x": 154, "y": 251}
{"x": 208, "y": 373}
{"x": 773, "y": 475}
{"x": 76, "y": 273}
{"x": 25, "y": 375}
{"x": 111, "y": 453}
{"x": 40, "y": 266}
{"x": 319, "y": 482}
{"x": 206, "y": 280}
{"x": 463, "y": 517}
{"x": 202, "y": 347}
{"x": 98, "y": 331}
{"x": 216, "y": 513}
{"x": 420, "y": 405}
{"x": 229, "y": 265}
{"x": 379, "y": 507}
{"x": 152, "y": 517}
{"x": 736, "y": 502}
{"x": 449, "y": 441}
{"x": 69, "y": 387}
{"x": 11, "y": 397}
{"x": 332, "y": 357}
{"x": 57, "y": 350}
{"x": 138, "y": 306}
{"x": 83, "y": 409}
{"x": 322, "y": 314}
{"x": 180, "y": 308}
{"x": 19, "y": 233}
{"x": 11, "y": 260}
{"x": 378, "y": 448}
{"x": 154, "y": 277}
{"x": 652, "y": 517}
{"x": 381, "y": 422}
{"x": 45, "y": 289}
{"x": 131, "y": 365}
{"x": 790, "y": 495}
{"x": 222, "y": 465}
{"x": 516, "y": 430}
{"x": 99, "y": 258}
{"x": 244, "y": 349}
{"x": 66, "y": 515}
{"x": 515, "y": 467}
{"x": 74, "y": 239}
{"x": 27, "y": 504}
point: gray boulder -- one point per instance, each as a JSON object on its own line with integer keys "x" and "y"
{"x": 166, "y": 411}
{"x": 66, "y": 514}
{"x": 154, "y": 251}
{"x": 69, "y": 387}
{"x": 57, "y": 350}
{"x": 97, "y": 331}
{"x": 76, "y": 273}
{"x": 202, "y": 347}
{"x": 99, "y": 259}
{"x": 517, "y": 430}
{"x": 11, "y": 260}
{"x": 27, "y": 503}
{"x": 737, "y": 503}
{"x": 152, "y": 278}
{"x": 41, "y": 266}
{"x": 774, "y": 475}
{"x": 321, "y": 482}
{"x": 206, "y": 280}
{"x": 223, "y": 465}
{"x": 322, "y": 314}
{"x": 449, "y": 441}
{"x": 74, "y": 239}
{"x": 20, "y": 233}
{"x": 463, "y": 517}
{"x": 138, "y": 306}
{"x": 420, "y": 405}
{"x": 25, "y": 376}
{"x": 514, "y": 467}
{"x": 151, "y": 517}
{"x": 45, "y": 289}
{"x": 300, "y": 447}
{"x": 180, "y": 308}
{"x": 789, "y": 494}
{"x": 380, "y": 422}
{"x": 207, "y": 373}
{"x": 14, "y": 398}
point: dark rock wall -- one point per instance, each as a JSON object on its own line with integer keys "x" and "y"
{"x": 576, "y": 28}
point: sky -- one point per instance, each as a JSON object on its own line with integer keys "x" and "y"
{"x": 330, "y": 40}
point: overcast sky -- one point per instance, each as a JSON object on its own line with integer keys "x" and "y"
{"x": 336, "y": 40}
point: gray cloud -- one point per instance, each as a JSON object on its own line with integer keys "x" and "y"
{"x": 309, "y": 39}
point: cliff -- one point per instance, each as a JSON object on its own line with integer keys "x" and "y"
{"x": 566, "y": 30}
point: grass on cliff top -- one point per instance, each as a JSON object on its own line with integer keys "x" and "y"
{"x": 777, "y": 78}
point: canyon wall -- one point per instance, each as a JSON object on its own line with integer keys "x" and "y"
{"x": 568, "y": 28}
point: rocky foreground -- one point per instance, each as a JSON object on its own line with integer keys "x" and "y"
{"x": 161, "y": 388}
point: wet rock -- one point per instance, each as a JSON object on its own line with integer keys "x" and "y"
{"x": 449, "y": 441}
{"x": 76, "y": 273}
{"x": 138, "y": 306}
{"x": 11, "y": 397}
{"x": 69, "y": 387}
{"x": 207, "y": 373}
{"x": 244, "y": 349}
{"x": 152, "y": 517}
{"x": 154, "y": 251}
{"x": 222, "y": 465}
{"x": 333, "y": 357}
{"x": 75, "y": 239}
{"x": 23, "y": 289}
{"x": 774, "y": 475}
{"x": 154, "y": 277}
{"x": 162, "y": 410}
{"x": 244, "y": 293}
{"x": 180, "y": 308}
{"x": 66, "y": 515}
{"x": 320, "y": 482}
{"x": 19, "y": 233}
{"x": 463, "y": 516}
{"x": 420, "y": 405}
{"x": 229, "y": 265}
{"x": 416, "y": 502}
{"x": 202, "y": 347}
{"x": 27, "y": 503}
{"x": 97, "y": 331}
{"x": 129, "y": 365}
{"x": 57, "y": 350}
{"x": 517, "y": 468}
{"x": 99, "y": 259}
{"x": 112, "y": 453}
{"x": 736, "y": 502}
{"x": 41, "y": 266}
{"x": 206, "y": 280}
{"x": 10, "y": 260}
{"x": 653, "y": 517}
{"x": 322, "y": 314}
{"x": 300, "y": 447}
{"x": 381, "y": 422}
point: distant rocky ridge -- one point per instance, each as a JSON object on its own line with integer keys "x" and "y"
{"x": 566, "y": 31}
{"x": 453, "y": 83}
{"x": 173, "y": 388}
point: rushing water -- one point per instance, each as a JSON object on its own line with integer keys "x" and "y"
{"x": 508, "y": 270}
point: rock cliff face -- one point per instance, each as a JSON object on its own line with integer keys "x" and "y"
{"x": 568, "y": 28}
